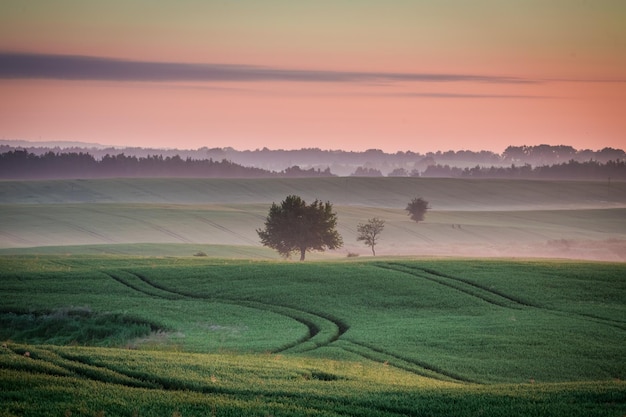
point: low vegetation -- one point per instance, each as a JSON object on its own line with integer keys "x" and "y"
{"x": 383, "y": 337}
{"x": 163, "y": 301}
{"x": 66, "y": 326}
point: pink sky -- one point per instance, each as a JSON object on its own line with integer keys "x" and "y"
{"x": 328, "y": 74}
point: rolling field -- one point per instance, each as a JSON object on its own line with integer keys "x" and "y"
{"x": 384, "y": 336}
{"x": 491, "y": 218}
{"x": 106, "y": 307}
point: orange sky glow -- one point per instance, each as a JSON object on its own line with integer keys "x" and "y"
{"x": 393, "y": 75}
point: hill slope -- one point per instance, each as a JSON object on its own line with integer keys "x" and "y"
{"x": 468, "y": 218}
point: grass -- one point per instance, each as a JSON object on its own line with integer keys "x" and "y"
{"x": 385, "y": 336}
{"x": 466, "y": 318}
{"x": 474, "y": 218}
{"x": 442, "y": 193}
{"x": 72, "y": 326}
{"x": 106, "y": 310}
{"x": 231, "y": 232}
{"x": 87, "y": 381}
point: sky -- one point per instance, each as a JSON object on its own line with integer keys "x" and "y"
{"x": 396, "y": 75}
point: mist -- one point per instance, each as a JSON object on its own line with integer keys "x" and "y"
{"x": 469, "y": 218}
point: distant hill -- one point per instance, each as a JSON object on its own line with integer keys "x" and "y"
{"x": 52, "y": 144}
{"x": 369, "y": 163}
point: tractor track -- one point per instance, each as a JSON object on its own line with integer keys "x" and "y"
{"x": 490, "y": 295}
{"x": 458, "y": 285}
{"x": 322, "y": 329}
{"x": 100, "y": 371}
{"x": 410, "y": 365}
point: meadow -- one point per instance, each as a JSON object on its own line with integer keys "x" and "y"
{"x": 106, "y": 309}
{"x": 387, "y": 336}
{"x": 477, "y": 218}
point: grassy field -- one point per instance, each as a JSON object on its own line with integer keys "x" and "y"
{"x": 106, "y": 309}
{"x": 491, "y": 218}
{"x": 385, "y": 336}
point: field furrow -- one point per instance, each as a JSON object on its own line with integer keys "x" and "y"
{"x": 222, "y": 228}
{"x": 131, "y": 281}
{"x": 80, "y": 368}
{"x": 322, "y": 330}
{"x": 492, "y": 295}
{"x": 458, "y": 285}
{"x": 409, "y": 365}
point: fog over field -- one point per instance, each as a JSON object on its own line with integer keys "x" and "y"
{"x": 478, "y": 218}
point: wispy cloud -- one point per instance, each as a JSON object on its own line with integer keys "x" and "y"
{"x": 462, "y": 95}
{"x": 77, "y": 67}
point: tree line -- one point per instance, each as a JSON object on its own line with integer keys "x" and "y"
{"x": 373, "y": 162}
{"x": 571, "y": 170}
{"x": 20, "y": 164}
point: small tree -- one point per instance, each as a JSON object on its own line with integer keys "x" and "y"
{"x": 370, "y": 232}
{"x": 294, "y": 226}
{"x": 417, "y": 209}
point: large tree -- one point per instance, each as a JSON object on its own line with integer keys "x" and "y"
{"x": 417, "y": 209}
{"x": 370, "y": 232}
{"x": 294, "y": 226}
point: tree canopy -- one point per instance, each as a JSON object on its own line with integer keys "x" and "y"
{"x": 294, "y": 226}
{"x": 417, "y": 209}
{"x": 370, "y": 232}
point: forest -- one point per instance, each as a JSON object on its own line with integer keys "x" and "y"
{"x": 21, "y": 164}
{"x": 516, "y": 162}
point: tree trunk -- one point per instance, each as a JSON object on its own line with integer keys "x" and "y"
{"x": 302, "y": 253}
{"x": 373, "y": 251}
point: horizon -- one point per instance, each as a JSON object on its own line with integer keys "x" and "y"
{"x": 395, "y": 76}
{"x": 63, "y": 145}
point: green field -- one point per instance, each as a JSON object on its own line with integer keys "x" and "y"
{"x": 389, "y": 336}
{"x": 105, "y": 310}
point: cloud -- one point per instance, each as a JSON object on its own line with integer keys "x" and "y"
{"x": 461, "y": 95}
{"x": 77, "y": 67}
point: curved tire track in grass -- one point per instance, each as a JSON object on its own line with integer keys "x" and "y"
{"x": 410, "y": 365}
{"x": 518, "y": 301}
{"x": 463, "y": 286}
{"x": 492, "y": 296}
{"x": 322, "y": 329}
{"x": 601, "y": 320}
{"x": 82, "y": 368}
{"x": 59, "y": 364}
{"x": 149, "y": 291}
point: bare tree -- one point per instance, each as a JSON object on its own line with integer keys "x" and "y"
{"x": 370, "y": 232}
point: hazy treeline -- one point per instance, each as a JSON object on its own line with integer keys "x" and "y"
{"x": 25, "y": 165}
{"x": 542, "y": 161}
{"x": 343, "y": 163}
{"x": 541, "y": 155}
{"x": 572, "y": 170}
{"x": 19, "y": 164}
